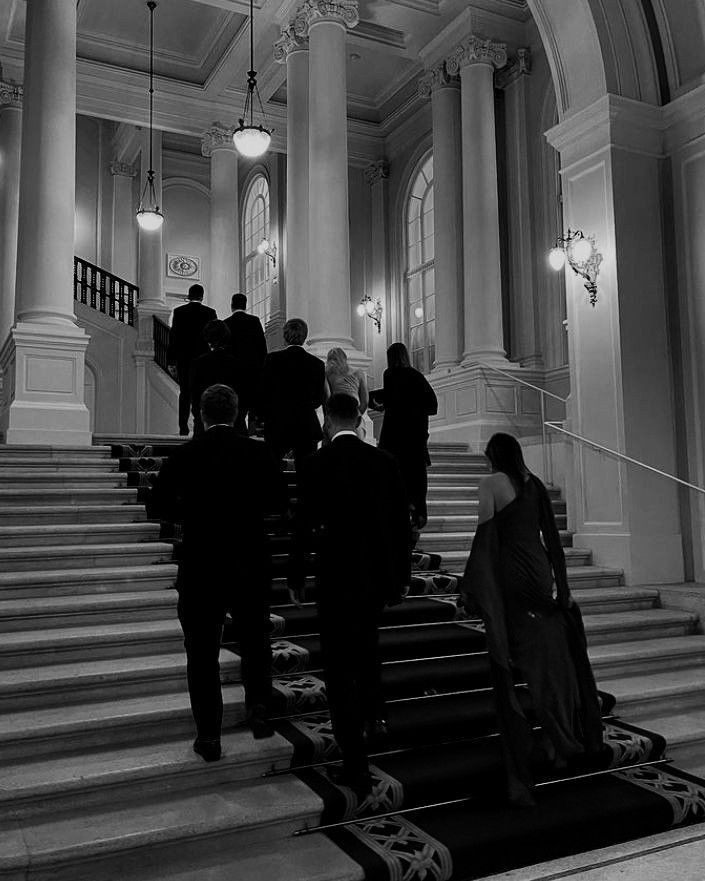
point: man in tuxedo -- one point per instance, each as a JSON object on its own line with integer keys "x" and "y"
{"x": 354, "y": 512}
{"x": 216, "y": 367}
{"x": 186, "y": 343}
{"x": 221, "y": 485}
{"x": 249, "y": 348}
{"x": 293, "y": 383}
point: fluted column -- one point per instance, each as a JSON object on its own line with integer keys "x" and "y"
{"x": 217, "y": 143}
{"x": 444, "y": 91}
{"x": 150, "y": 268}
{"x": 10, "y": 140}
{"x": 326, "y": 24}
{"x": 292, "y": 50}
{"x": 124, "y": 263}
{"x": 476, "y": 61}
{"x": 45, "y": 351}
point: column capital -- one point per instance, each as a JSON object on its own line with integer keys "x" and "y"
{"x": 218, "y": 137}
{"x": 122, "y": 169}
{"x": 289, "y": 42}
{"x": 344, "y": 12}
{"x": 518, "y": 68}
{"x": 376, "y": 171}
{"x": 11, "y": 93}
{"x": 476, "y": 50}
{"x": 436, "y": 78}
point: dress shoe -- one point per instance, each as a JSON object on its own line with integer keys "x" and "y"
{"x": 208, "y": 750}
{"x": 259, "y": 724}
{"x": 361, "y": 784}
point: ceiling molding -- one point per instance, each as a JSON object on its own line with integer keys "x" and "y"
{"x": 240, "y": 6}
{"x": 429, "y": 7}
{"x": 368, "y": 32}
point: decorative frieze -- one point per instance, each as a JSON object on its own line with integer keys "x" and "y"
{"x": 345, "y": 12}
{"x": 122, "y": 169}
{"x": 476, "y": 50}
{"x": 436, "y": 78}
{"x": 218, "y": 137}
{"x": 288, "y": 43}
{"x": 377, "y": 171}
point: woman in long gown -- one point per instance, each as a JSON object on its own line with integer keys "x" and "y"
{"x": 531, "y": 632}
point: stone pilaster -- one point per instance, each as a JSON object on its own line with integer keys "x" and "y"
{"x": 124, "y": 249}
{"x": 10, "y": 140}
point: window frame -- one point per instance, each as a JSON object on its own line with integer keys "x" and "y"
{"x": 259, "y": 293}
{"x": 419, "y": 188}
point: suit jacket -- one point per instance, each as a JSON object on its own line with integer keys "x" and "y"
{"x": 247, "y": 341}
{"x": 186, "y": 335}
{"x": 214, "y": 367}
{"x": 293, "y": 384}
{"x": 353, "y": 511}
{"x": 408, "y": 402}
{"x": 220, "y": 485}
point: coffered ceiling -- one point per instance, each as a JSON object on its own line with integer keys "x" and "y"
{"x": 201, "y": 56}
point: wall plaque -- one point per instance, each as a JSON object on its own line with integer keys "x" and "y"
{"x": 183, "y": 266}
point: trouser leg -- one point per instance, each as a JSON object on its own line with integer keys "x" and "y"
{"x": 202, "y": 630}
{"x": 370, "y": 670}
{"x": 184, "y": 396}
{"x": 250, "y": 613}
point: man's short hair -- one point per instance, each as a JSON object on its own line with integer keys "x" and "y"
{"x": 343, "y": 408}
{"x": 195, "y": 292}
{"x": 238, "y": 301}
{"x": 295, "y": 332}
{"x": 219, "y": 405}
{"x": 216, "y": 334}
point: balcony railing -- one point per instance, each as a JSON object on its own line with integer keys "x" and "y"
{"x": 103, "y": 291}
{"x": 161, "y": 343}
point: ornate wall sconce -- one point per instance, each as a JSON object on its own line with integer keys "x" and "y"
{"x": 373, "y": 309}
{"x": 269, "y": 249}
{"x": 583, "y": 258}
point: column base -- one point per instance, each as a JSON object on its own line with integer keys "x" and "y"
{"x": 486, "y": 356}
{"x": 43, "y": 393}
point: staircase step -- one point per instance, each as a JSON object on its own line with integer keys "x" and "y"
{"x": 77, "y": 534}
{"x": 437, "y": 542}
{"x": 646, "y": 624}
{"x": 658, "y": 694}
{"x": 85, "y": 609}
{"x": 49, "y": 464}
{"x": 467, "y": 523}
{"x": 88, "y": 845}
{"x": 25, "y": 451}
{"x": 24, "y": 648}
{"x": 598, "y": 601}
{"x": 454, "y": 561}
{"x": 47, "y": 732}
{"x": 45, "y": 515}
{"x": 622, "y": 659}
{"x": 685, "y": 735}
{"x": 69, "y": 495}
{"x": 111, "y": 776}
{"x": 71, "y": 582}
{"x": 25, "y": 559}
{"x": 60, "y": 479}
{"x": 91, "y": 680}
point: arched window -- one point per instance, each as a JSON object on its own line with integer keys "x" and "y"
{"x": 257, "y": 266}
{"x": 419, "y": 277}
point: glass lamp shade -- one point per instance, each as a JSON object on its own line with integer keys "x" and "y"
{"x": 361, "y": 310}
{"x": 581, "y": 251}
{"x": 251, "y": 141}
{"x": 150, "y": 220}
{"x": 263, "y": 246}
{"x": 418, "y": 312}
{"x": 556, "y": 259}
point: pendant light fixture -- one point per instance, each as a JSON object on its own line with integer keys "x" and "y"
{"x": 149, "y": 217}
{"x": 252, "y": 140}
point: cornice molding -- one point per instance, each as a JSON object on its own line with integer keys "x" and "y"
{"x": 476, "y": 50}
{"x": 217, "y": 137}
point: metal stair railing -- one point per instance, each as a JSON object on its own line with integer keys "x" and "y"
{"x": 160, "y": 336}
{"x": 104, "y": 292}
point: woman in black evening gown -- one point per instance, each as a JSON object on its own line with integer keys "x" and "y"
{"x": 531, "y": 633}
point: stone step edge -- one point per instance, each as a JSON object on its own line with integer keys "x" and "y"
{"x": 84, "y": 575}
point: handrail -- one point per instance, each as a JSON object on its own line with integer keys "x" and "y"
{"x": 556, "y": 426}
{"x": 103, "y": 291}
{"x": 160, "y": 336}
{"x": 516, "y": 379}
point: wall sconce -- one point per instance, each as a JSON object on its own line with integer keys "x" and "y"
{"x": 583, "y": 258}
{"x": 373, "y": 309}
{"x": 269, "y": 249}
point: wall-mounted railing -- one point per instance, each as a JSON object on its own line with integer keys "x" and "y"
{"x": 104, "y": 292}
{"x": 161, "y": 343}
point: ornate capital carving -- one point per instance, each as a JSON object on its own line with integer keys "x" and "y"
{"x": 476, "y": 50}
{"x": 377, "y": 171}
{"x": 218, "y": 137}
{"x": 10, "y": 93}
{"x": 288, "y": 43}
{"x": 122, "y": 169}
{"x": 519, "y": 67}
{"x": 344, "y": 12}
{"x": 436, "y": 78}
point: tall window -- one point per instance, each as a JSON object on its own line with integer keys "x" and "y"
{"x": 420, "y": 280}
{"x": 256, "y": 228}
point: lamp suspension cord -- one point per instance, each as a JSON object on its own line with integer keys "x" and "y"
{"x": 151, "y": 6}
{"x": 252, "y": 61}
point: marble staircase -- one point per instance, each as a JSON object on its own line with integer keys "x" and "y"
{"x": 97, "y": 777}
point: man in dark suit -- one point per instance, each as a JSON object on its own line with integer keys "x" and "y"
{"x": 293, "y": 383}
{"x": 221, "y": 485}
{"x": 354, "y": 512}
{"x": 186, "y": 343}
{"x": 249, "y": 348}
{"x": 216, "y": 367}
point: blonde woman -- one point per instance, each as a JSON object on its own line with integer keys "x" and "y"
{"x": 342, "y": 379}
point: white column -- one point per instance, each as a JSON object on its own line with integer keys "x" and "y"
{"x": 124, "y": 250}
{"x": 448, "y": 215}
{"x": 476, "y": 61}
{"x": 292, "y": 50}
{"x": 329, "y": 234}
{"x": 10, "y": 140}
{"x": 217, "y": 143}
{"x": 45, "y": 352}
{"x": 151, "y": 257}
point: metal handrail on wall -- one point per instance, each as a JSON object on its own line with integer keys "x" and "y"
{"x": 546, "y": 446}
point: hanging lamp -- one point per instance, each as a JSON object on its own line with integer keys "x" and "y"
{"x": 149, "y": 217}
{"x": 252, "y": 140}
